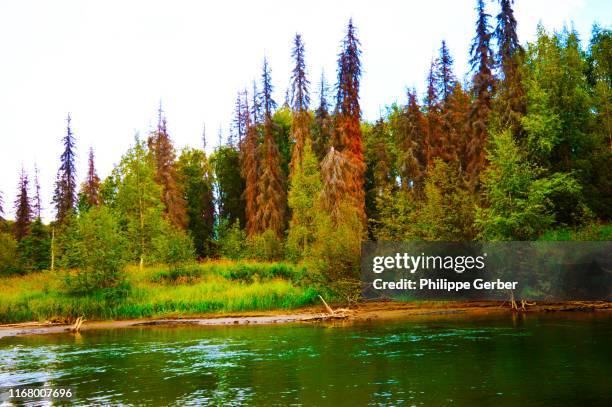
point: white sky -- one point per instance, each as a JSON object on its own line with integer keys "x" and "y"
{"x": 109, "y": 63}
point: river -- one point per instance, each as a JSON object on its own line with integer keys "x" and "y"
{"x": 501, "y": 360}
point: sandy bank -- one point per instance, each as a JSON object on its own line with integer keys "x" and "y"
{"x": 359, "y": 312}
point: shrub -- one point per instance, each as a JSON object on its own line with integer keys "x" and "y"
{"x": 265, "y": 246}
{"x": 97, "y": 246}
{"x": 232, "y": 241}
{"x": 174, "y": 248}
{"x": 8, "y": 254}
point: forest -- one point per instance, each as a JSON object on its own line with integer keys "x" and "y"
{"x": 521, "y": 149}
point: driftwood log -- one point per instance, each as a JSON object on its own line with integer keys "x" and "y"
{"x": 340, "y": 313}
{"x": 77, "y": 325}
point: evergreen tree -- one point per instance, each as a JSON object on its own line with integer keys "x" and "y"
{"x": 447, "y": 210}
{"x": 90, "y": 190}
{"x": 23, "y": 210}
{"x": 339, "y": 181}
{"x": 137, "y": 202}
{"x": 303, "y": 196}
{"x": 226, "y": 165}
{"x": 37, "y": 200}
{"x": 348, "y": 138}
{"x": 445, "y": 79}
{"x": 433, "y": 138}
{"x": 409, "y": 127}
{"x": 510, "y": 103}
{"x": 271, "y": 198}
{"x": 256, "y": 105}
{"x": 250, "y": 166}
{"x": 518, "y": 195}
{"x": 1, "y": 207}
{"x": 240, "y": 118}
{"x": 166, "y": 176}
{"x": 194, "y": 171}
{"x": 267, "y": 102}
{"x": 483, "y": 88}
{"x": 323, "y": 123}
{"x": 35, "y": 249}
{"x": 65, "y": 194}
{"x": 381, "y": 174}
{"x": 455, "y": 135}
{"x": 300, "y": 100}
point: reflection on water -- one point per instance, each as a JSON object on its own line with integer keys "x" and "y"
{"x": 545, "y": 360}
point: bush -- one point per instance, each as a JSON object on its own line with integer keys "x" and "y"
{"x": 35, "y": 249}
{"x": 95, "y": 244}
{"x": 8, "y": 254}
{"x": 232, "y": 241}
{"x": 265, "y": 246}
{"x": 174, "y": 248}
{"x": 335, "y": 252}
{"x": 186, "y": 274}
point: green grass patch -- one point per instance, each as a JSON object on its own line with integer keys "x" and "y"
{"x": 211, "y": 287}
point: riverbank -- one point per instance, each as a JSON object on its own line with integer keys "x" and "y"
{"x": 156, "y": 292}
{"x": 364, "y": 311}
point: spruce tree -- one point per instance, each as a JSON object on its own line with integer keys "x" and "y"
{"x": 196, "y": 178}
{"x": 267, "y": 102}
{"x": 65, "y": 194}
{"x": 300, "y": 100}
{"x": 323, "y": 124}
{"x": 433, "y": 119}
{"x": 271, "y": 198}
{"x": 510, "y": 103}
{"x": 166, "y": 176}
{"x": 348, "y": 137}
{"x": 23, "y": 209}
{"x": 410, "y": 127}
{"x": 303, "y": 198}
{"x": 37, "y": 200}
{"x": 240, "y": 119}
{"x": 249, "y": 167}
{"x": 483, "y": 87}
{"x": 90, "y": 190}
{"x": 445, "y": 77}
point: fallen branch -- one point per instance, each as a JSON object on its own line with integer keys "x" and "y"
{"x": 77, "y": 325}
{"x": 327, "y": 307}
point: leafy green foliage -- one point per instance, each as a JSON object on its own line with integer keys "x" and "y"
{"x": 35, "y": 249}
{"x": 99, "y": 251}
{"x": 197, "y": 183}
{"x": 8, "y": 254}
{"x": 520, "y": 198}
{"x": 304, "y": 191}
{"x": 225, "y": 162}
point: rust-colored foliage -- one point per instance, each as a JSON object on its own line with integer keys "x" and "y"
{"x": 454, "y": 126}
{"x": 166, "y": 175}
{"x": 348, "y": 137}
{"x": 340, "y": 179}
{"x": 249, "y": 162}
{"x": 271, "y": 198}
{"x": 410, "y": 139}
{"x": 91, "y": 186}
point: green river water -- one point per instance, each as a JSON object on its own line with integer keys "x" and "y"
{"x": 503, "y": 360}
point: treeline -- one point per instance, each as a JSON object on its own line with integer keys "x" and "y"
{"x": 521, "y": 147}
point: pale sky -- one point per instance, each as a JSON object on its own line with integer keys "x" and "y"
{"x": 109, "y": 63}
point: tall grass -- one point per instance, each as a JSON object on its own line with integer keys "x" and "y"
{"x": 212, "y": 287}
